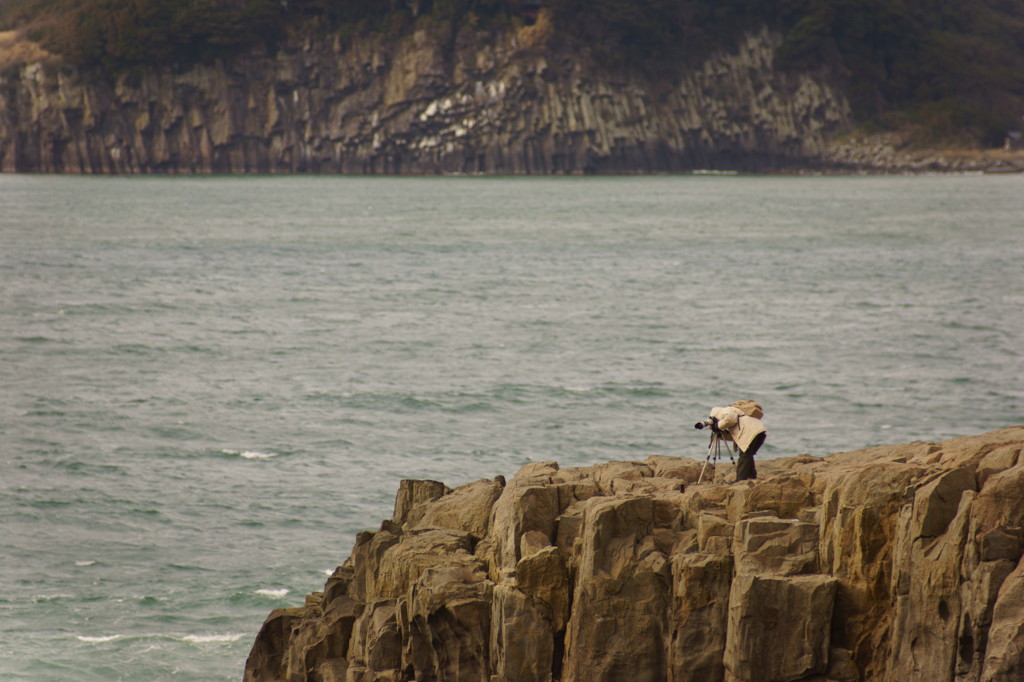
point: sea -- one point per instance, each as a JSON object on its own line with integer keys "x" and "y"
{"x": 209, "y": 385}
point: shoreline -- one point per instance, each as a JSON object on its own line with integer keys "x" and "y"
{"x": 844, "y": 155}
{"x": 889, "y": 153}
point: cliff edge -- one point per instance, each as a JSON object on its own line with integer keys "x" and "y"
{"x": 892, "y": 563}
{"x": 428, "y": 102}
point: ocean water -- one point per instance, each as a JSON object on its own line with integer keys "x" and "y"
{"x": 209, "y": 385}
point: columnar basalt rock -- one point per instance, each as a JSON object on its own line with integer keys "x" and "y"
{"x": 423, "y": 103}
{"x": 893, "y": 563}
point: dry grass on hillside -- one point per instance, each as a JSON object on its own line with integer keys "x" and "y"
{"x": 16, "y": 49}
{"x": 539, "y": 33}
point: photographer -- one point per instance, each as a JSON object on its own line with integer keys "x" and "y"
{"x": 743, "y": 428}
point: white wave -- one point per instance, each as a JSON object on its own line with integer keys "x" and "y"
{"x": 253, "y": 454}
{"x": 329, "y": 572}
{"x": 40, "y": 598}
{"x": 82, "y": 564}
{"x": 218, "y": 638}
{"x": 274, "y": 594}
{"x": 98, "y": 640}
{"x": 211, "y": 639}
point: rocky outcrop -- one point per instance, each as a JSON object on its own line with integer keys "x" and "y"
{"x": 893, "y": 563}
{"x": 426, "y": 103}
{"x": 895, "y": 152}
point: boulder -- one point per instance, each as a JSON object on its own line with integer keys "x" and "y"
{"x": 699, "y": 621}
{"x": 860, "y": 515}
{"x": 779, "y": 627}
{"x": 776, "y": 546}
{"x": 376, "y": 643}
{"x": 622, "y": 577}
{"x": 412, "y": 493}
{"x": 444, "y": 622}
{"x": 926, "y": 585}
{"x": 714, "y": 534}
{"x": 522, "y": 638}
{"x": 268, "y": 658}
{"x": 467, "y": 509}
{"x": 1000, "y": 502}
{"x": 783, "y": 496}
{"x": 999, "y": 459}
{"x": 978, "y": 596}
{"x": 521, "y": 508}
{"x": 1004, "y": 657}
{"x": 416, "y": 553}
{"x": 544, "y": 576}
{"x": 936, "y": 502}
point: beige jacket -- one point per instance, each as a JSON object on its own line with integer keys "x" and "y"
{"x": 736, "y": 426}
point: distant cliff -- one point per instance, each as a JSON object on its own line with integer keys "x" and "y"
{"x": 489, "y": 102}
{"x": 893, "y": 563}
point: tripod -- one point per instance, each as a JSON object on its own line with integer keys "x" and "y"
{"x": 714, "y": 452}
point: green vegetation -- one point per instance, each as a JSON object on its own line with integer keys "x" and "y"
{"x": 113, "y": 34}
{"x": 954, "y": 69}
{"x": 657, "y": 36}
{"x": 951, "y": 68}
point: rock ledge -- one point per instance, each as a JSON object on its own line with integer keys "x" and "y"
{"x": 891, "y": 563}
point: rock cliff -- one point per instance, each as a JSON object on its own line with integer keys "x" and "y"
{"x": 504, "y": 102}
{"x": 892, "y": 563}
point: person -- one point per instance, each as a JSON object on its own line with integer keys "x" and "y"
{"x": 743, "y": 428}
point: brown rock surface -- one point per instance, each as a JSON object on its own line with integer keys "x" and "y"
{"x": 892, "y": 563}
{"x": 488, "y": 102}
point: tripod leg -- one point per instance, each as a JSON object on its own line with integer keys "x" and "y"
{"x": 707, "y": 459}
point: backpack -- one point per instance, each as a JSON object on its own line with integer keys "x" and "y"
{"x": 749, "y": 408}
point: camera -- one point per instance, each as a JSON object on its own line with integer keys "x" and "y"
{"x": 710, "y": 421}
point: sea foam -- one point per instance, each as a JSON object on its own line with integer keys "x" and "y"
{"x": 251, "y": 454}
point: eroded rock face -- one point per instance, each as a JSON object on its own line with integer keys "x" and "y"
{"x": 779, "y": 627}
{"x": 894, "y": 563}
{"x": 486, "y": 102}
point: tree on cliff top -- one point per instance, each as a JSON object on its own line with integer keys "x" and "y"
{"x": 954, "y": 68}
{"x": 113, "y": 34}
